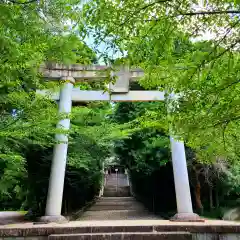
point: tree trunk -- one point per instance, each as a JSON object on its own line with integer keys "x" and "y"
{"x": 65, "y": 207}
{"x": 153, "y": 204}
{"x": 211, "y": 198}
{"x": 198, "y": 195}
{"x": 217, "y": 196}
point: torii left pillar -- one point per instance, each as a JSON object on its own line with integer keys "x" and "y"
{"x": 56, "y": 181}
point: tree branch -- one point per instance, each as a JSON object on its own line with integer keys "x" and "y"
{"x": 27, "y": 2}
{"x": 198, "y": 13}
{"x": 227, "y": 121}
{"x": 219, "y": 94}
{"x": 223, "y": 134}
{"x": 153, "y": 3}
{"x": 210, "y": 13}
{"x": 206, "y": 60}
{"x": 138, "y": 10}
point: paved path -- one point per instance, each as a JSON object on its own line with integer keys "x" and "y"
{"x": 217, "y": 223}
{"x": 116, "y": 203}
{"x": 7, "y": 217}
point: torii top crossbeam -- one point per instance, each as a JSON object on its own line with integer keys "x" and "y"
{"x": 84, "y": 73}
{"x": 119, "y": 91}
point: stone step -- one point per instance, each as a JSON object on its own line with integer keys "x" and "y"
{"x": 114, "y": 188}
{"x": 117, "y": 199}
{"x": 120, "y": 180}
{"x": 120, "y": 192}
{"x": 124, "y": 236}
{"x": 120, "y": 203}
{"x": 115, "y": 184}
{"x": 125, "y": 203}
{"x": 116, "y": 194}
{"x": 118, "y": 206}
{"x": 116, "y": 215}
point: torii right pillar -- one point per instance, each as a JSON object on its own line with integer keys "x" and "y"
{"x": 181, "y": 181}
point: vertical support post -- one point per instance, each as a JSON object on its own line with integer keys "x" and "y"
{"x": 121, "y": 84}
{"x": 103, "y": 181}
{"x": 180, "y": 173}
{"x": 126, "y": 173}
{"x": 181, "y": 181}
{"x": 116, "y": 170}
{"x": 183, "y": 196}
{"x": 57, "y": 175}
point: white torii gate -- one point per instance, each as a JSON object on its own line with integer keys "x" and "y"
{"x": 119, "y": 92}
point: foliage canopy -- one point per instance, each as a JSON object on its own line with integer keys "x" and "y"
{"x": 190, "y": 48}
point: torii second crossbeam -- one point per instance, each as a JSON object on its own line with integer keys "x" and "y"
{"x": 87, "y": 96}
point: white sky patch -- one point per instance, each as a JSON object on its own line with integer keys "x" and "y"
{"x": 204, "y": 36}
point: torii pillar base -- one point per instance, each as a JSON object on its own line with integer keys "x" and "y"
{"x": 187, "y": 217}
{"x": 54, "y": 219}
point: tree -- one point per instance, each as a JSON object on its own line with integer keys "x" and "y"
{"x": 162, "y": 37}
{"x": 31, "y": 33}
{"x": 146, "y": 154}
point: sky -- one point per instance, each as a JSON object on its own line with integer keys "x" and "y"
{"x": 204, "y": 35}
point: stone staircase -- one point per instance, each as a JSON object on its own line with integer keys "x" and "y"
{"x": 116, "y": 185}
{"x": 116, "y": 203}
{"x": 120, "y": 192}
{"x": 116, "y": 208}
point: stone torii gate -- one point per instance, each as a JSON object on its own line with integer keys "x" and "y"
{"x": 119, "y": 91}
